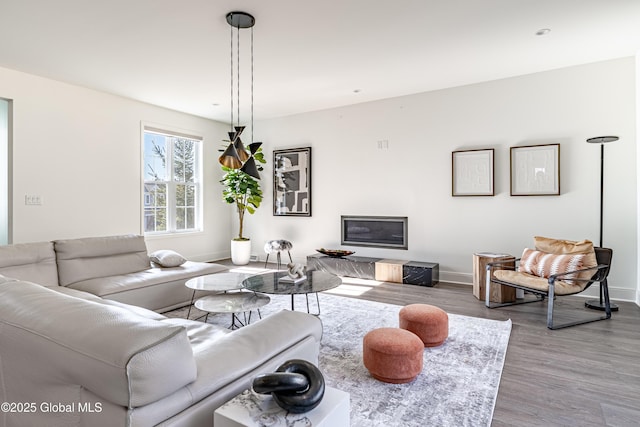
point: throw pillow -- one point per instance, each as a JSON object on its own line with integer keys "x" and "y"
{"x": 559, "y": 246}
{"x": 167, "y": 258}
{"x": 544, "y": 264}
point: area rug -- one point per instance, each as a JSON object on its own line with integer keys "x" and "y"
{"x": 457, "y": 387}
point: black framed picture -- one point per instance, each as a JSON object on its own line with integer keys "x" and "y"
{"x": 292, "y": 182}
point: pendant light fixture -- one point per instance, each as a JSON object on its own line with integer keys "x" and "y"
{"x": 236, "y": 156}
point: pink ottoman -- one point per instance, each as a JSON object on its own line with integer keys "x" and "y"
{"x": 392, "y": 355}
{"x": 428, "y": 322}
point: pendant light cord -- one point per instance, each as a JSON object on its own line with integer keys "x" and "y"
{"x": 252, "y": 140}
{"x": 231, "y": 52}
{"x": 238, "y": 65}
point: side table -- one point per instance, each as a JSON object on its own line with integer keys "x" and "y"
{"x": 499, "y": 294}
{"x": 217, "y": 282}
{"x": 236, "y": 302}
{"x": 250, "y": 409}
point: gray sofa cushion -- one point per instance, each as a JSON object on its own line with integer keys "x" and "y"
{"x": 94, "y": 257}
{"x": 116, "y": 283}
{"x": 125, "y": 358}
{"x": 34, "y": 262}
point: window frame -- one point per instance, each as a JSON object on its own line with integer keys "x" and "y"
{"x": 170, "y": 181}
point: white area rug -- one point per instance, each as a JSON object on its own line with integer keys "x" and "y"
{"x": 457, "y": 387}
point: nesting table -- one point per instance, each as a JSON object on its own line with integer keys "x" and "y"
{"x": 224, "y": 301}
{"x": 233, "y": 302}
{"x": 316, "y": 281}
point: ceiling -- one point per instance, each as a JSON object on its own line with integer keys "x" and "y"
{"x": 308, "y": 55}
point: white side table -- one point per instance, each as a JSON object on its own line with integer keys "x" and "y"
{"x": 217, "y": 282}
{"x": 250, "y": 409}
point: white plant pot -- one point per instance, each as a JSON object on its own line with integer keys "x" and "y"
{"x": 240, "y": 252}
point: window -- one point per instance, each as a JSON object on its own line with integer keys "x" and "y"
{"x": 172, "y": 177}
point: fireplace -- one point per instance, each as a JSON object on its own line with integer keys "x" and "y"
{"x": 374, "y": 231}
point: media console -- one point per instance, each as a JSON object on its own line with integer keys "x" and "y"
{"x": 382, "y": 269}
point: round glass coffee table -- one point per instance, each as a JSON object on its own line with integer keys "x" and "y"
{"x": 233, "y": 302}
{"x": 216, "y": 282}
{"x": 316, "y": 281}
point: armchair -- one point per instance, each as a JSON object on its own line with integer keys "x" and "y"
{"x": 570, "y": 268}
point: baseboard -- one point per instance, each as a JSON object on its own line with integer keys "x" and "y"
{"x": 211, "y": 257}
{"x": 456, "y": 277}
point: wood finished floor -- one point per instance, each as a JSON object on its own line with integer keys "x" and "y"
{"x": 586, "y": 375}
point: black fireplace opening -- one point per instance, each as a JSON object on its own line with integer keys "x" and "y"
{"x": 374, "y": 231}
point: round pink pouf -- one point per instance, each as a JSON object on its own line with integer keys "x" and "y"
{"x": 392, "y": 355}
{"x": 428, "y": 322}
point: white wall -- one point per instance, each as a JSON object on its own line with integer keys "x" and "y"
{"x": 4, "y": 174}
{"x": 350, "y": 175}
{"x": 638, "y": 162}
{"x": 79, "y": 150}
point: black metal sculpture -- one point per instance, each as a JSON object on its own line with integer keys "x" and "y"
{"x": 297, "y": 386}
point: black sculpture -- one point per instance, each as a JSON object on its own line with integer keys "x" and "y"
{"x": 297, "y": 386}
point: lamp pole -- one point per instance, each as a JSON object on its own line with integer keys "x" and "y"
{"x": 599, "y": 304}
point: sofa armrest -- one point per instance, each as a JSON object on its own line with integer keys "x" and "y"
{"x": 253, "y": 348}
{"x": 55, "y": 344}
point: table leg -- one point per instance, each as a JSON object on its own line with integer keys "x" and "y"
{"x": 317, "y": 303}
{"x": 193, "y": 295}
{"x": 233, "y": 326}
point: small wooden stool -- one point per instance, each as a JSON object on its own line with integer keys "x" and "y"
{"x": 392, "y": 355}
{"x": 428, "y": 322}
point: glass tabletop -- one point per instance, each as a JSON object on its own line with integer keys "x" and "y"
{"x": 235, "y": 302}
{"x": 218, "y": 282}
{"x": 317, "y": 281}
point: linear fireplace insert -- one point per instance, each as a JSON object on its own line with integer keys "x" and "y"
{"x": 374, "y": 231}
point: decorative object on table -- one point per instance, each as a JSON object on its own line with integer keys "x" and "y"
{"x": 297, "y": 386}
{"x": 277, "y": 246}
{"x": 292, "y": 182}
{"x": 535, "y": 170}
{"x": 296, "y": 273}
{"x": 472, "y": 172}
{"x": 241, "y": 167}
{"x": 335, "y": 252}
{"x": 599, "y": 304}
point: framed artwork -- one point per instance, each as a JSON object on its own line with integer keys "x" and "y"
{"x": 292, "y": 182}
{"x": 535, "y": 170}
{"x": 472, "y": 173}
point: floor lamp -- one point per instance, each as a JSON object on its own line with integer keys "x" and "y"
{"x": 599, "y": 304}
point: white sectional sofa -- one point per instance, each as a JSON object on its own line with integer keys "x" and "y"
{"x": 73, "y": 358}
{"x": 113, "y": 267}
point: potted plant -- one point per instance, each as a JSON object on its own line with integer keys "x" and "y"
{"x": 241, "y": 186}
